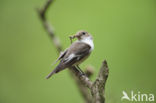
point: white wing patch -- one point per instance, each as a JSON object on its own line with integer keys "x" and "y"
{"x": 71, "y": 56}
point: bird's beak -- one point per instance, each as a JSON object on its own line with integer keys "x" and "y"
{"x": 76, "y": 36}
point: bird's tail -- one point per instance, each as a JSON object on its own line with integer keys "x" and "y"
{"x": 56, "y": 70}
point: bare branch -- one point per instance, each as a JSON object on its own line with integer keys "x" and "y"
{"x": 45, "y": 8}
{"x": 98, "y": 86}
{"x": 83, "y": 90}
{"x": 82, "y": 77}
{"x": 48, "y": 27}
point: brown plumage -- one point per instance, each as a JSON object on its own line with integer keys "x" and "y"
{"x": 74, "y": 55}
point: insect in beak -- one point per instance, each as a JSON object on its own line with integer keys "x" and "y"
{"x": 72, "y": 37}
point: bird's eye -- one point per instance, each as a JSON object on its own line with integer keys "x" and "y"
{"x": 83, "y": 33}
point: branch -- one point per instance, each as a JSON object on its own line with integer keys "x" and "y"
{"x": 48, "y": 27}
{"x": 82, "y": 77}
{"x": 83, "y": 90}
{"x": 98, "y": 86}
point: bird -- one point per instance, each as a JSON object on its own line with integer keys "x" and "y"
{"x": 76, "y": 53}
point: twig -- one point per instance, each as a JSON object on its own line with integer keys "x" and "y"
{"x": 98, "y": 86}
{"x": 48, "y": 27}
{"x": 83, "y": 89}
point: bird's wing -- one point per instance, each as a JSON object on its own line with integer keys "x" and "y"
{"x": 76, "y": 52}
{"x": 62, "y": 54}
{"x": 73, "y": 54}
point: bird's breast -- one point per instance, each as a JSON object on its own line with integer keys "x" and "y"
{"x": 89, "y": 42}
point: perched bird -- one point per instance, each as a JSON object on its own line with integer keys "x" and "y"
{"x": 76, "y": 53}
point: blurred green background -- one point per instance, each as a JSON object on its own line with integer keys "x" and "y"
{"x": 124, "y": 33}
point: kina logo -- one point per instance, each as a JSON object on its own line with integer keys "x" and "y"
{"x": 137, "y": 96}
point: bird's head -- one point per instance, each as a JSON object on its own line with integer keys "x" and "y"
{"x": 82, "y": 35}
